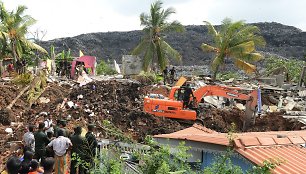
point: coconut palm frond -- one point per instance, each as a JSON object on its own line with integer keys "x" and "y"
{"x": 259, "y": 41}
{"x": 170, "y": 52}
{"x": 173, "y": 26}
{"x": 252, "y": 57}
{"x": 161, "y": 59}
{"x": 19, "y": 49}
{"x": 208, "y": 48}
{"x": 166, "y": 13}
{"x": 211, "y": 28}
{"x": 140, "y": 47}
{"x": 148, "y": 57}
{"x": 246, "y": 67}
{"x": 145, "y": 20}
{"x": 241, "y": 49}
{"x": 34, "y": 46}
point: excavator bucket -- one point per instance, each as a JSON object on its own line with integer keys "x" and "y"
{"x": 181, "y": 81}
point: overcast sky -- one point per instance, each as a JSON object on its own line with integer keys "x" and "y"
{"x": 64, "y": 18}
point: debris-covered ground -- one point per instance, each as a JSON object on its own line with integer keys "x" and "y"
{"x": 220, "y": 121}
{"x": 119, "y": 102}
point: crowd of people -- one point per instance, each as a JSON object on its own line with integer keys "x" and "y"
{"x": 52, "y": 149}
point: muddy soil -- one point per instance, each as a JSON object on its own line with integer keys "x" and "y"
{"x": 220, "y": 120}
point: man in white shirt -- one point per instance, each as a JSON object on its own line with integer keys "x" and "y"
{"x": 60, "y": 146}
{"x": 29, "y": 140}
{"x": 48, "y": 123}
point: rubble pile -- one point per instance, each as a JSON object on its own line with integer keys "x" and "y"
{"x": 121, "y": 103}
{"x": 8, "y": 92}
{"x": 220, "y": 120}
{"x": 156, "y": 89}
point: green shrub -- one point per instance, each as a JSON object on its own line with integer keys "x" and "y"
{"x": 104, "y": 69}
{"x": 148, "y": 78}
{"x": 227, "y": 75}
{"x": 293, "y": 66}
{"x": 23, "y": 79}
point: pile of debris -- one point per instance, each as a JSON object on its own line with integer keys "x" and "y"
{"x": 119, "y": 102}
{"x": 220, "y": 120}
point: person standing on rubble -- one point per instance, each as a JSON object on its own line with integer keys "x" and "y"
{"x": 29, "y": 140}
{"x": 77, "y": 144}
{"x": 60, "y": 146}
{"x": 172, "y": 75}
{"x": 165, "y": 75}
{"x": 187, "y": 93}
{"x": 41, "y": 141}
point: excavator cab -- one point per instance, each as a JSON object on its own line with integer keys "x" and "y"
{"x": 171, "y": 107}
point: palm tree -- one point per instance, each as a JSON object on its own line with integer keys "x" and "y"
{"x": 153, "y": 46}
{"x": 14, "y": 26}
{"x": 235, "y": 40}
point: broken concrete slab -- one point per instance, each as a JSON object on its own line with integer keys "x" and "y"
{"x": 273, "y": 108}
{"x": 290, "y": 105}
{"x": 240, "y": 106}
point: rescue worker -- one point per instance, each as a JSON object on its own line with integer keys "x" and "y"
{"x": 172, "y": 74}
{"x": 187, "y": 93}
{"x": 165, "y": 75}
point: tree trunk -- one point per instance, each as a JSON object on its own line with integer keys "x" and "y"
{"x": 14, "y": 51}
{"x": 53, "y": 65}
{"x": 215, "y": 73}
{"x": 18, "y": 96}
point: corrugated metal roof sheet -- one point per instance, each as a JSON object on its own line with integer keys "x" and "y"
{"x": 256, "y": 146}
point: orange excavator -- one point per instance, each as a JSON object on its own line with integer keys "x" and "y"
{"x": 172, "y": 107}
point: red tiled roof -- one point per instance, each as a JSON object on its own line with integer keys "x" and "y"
{"x": 199, "y": 134}
{"x": 292, "y": 158}
{"x": 256, "y": 146}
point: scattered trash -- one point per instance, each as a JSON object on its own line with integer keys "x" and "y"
{"x": 80, "y": 97}
{"x": 9, "y": 130}
{"x": 70, "y": 104}
{"x": 43, "y": 100}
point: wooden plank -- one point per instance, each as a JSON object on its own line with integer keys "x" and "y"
{"x": 180, "y": 81}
